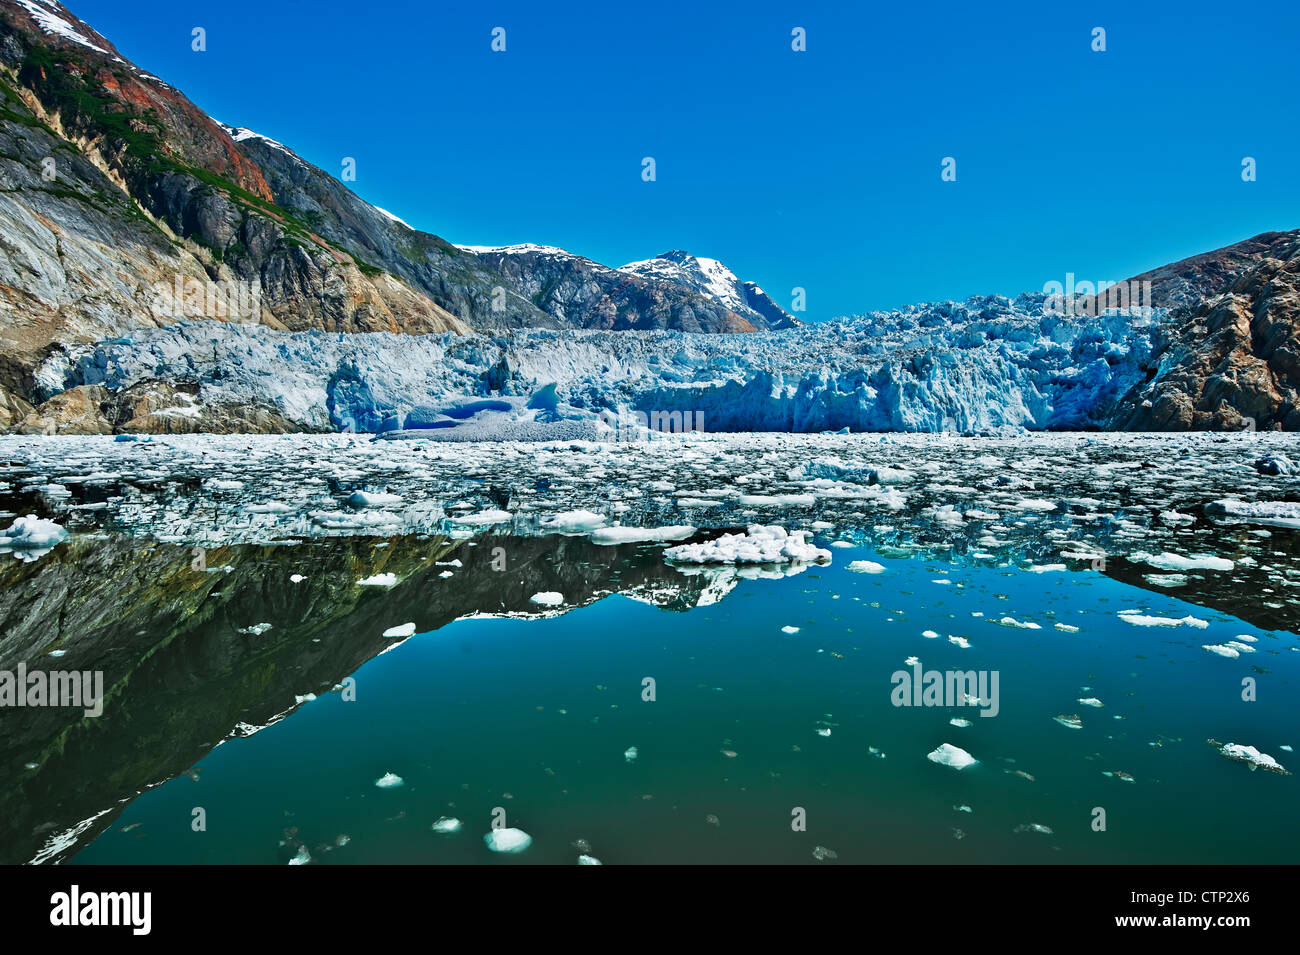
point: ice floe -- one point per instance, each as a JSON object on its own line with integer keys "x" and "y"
{"x": 508, "y": 840}
{"x": 953, "y": 756}
{"x": 760, "y": 544}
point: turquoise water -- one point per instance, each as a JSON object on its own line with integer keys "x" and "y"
{"x": 534, "y": 716}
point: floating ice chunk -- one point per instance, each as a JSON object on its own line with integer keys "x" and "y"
{"x": 823, "y": 731}
{"x": 1091, "y": 701}
{"x": 302, "y": 858}
{"x": 446, "y": 824}
{"x": 960, "y": 723}
{"x": 641, "y": 535}
{"x": 402, "y": 630}
{"x": 1253, "y": 757}
{"x": 1013, "y": 622}
{"x": 760, "y": 544}
{"x": 1044, "y": 568}
{"x": 929, "y": 635}
{"x": 630, "y": 754}
{"x": 508, "y": 840}
{"x": 788, "y": 629}
{"x": 574, "y": 522}
{"x": 483, "y": 518}
{"x": 256, "y": 630}
{"x": 954, "y": 756}
{"x": 373, "y": 499}
{"x": 842, "y": 544}
{"x": 822, "y": 854}
{"x": 1067, "y": 628}
{"x": 1247, "y": 637}
{"x": 390, "y": 781}
{"x": 548, "y": 598}
{"x": 1071, "y": 722}
{"x": 379, "y": 580}
{"x": 1173, "y": 518}
{"x": 1033, "y": 504}
{"x": 911, "y": 661}
{"x": 32, "y": 533}
{"x": 866, "y": 567}
{"x": 1222, "y": 650}
{"x": 1177, "y": 562}
{"x": 1241, "y": 647}
{"x": 959, "y": 641}
{"x": 1139, "y": 619}
{"x": 588, "y": 860}
{"x": 1281, "y": 512}
{"x": 1034, "y": 827}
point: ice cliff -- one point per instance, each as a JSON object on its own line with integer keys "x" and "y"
{"x": 983, "y": 364}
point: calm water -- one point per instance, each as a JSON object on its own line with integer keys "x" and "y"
{"x": 533, "y": 716}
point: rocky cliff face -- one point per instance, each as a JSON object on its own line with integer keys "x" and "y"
{"x": 1229, "y": 360}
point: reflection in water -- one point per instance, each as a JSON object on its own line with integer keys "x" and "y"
{"x": 180, "y": 676}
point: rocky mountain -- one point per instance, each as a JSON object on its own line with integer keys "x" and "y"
{"x": 711, "y": 278}
{"x": 124, "y": 206}
{"x": 1228, "y": 358}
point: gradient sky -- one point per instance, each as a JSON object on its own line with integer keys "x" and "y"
{"x": 818, "y": 169}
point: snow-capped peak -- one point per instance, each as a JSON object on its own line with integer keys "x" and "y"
{"x": 49, "y": 17}
{"x": 707, "y": 276}
{"x": 522, "y": 248}
{"x": 242, "y": 133}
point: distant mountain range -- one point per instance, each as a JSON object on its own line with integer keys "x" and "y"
{"x": 124, "y": 207}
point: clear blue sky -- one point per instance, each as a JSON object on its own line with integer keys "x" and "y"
{"x": 818, "y": 169}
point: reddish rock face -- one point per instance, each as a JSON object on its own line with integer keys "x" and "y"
{"x": 1231, "y": 362}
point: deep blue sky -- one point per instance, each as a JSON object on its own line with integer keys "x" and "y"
{"x": 817, "y": 169}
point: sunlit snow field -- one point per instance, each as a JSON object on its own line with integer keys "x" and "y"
{"x": 1089, "y": 572}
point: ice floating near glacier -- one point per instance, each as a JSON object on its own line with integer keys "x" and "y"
{"x": 865, "y": 566}
{"x": 1139, "y": 619}
{"x": 508, "y": 840}
{"x": 641, "y": 535}
{"x": 1176, "y": 562}
{"x": 1251, "y": 757}
{"x": 953, "y": 756}
{"x": 390, "y": 781}
{"x": 760, "y": 544}
{"x": 446, "y": 824}
{"x": 31, "y": 537}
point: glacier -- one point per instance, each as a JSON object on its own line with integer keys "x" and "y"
{"x": 989, "y": 363}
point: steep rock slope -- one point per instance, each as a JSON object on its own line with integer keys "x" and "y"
{"x": 1232, "y": 360}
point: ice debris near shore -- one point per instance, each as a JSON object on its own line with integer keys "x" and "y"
{"x": 31, "y": 534}
{"x": 760, "y": 544}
